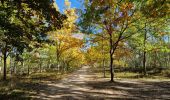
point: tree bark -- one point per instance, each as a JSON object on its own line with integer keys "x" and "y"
{"x": 0, "y": 65}
{"x": 40, "y": 67}
{"x": 144, "y": 52}
{"x": 104, "y": 69}
{"x": 15, "y": 67}
{"x": 28, "y": 70}
{"x": 5, "y": 65}
{"x": 144, "y": 62}
{"x": 111, "y": 59}
{"x": 11, "y": 67}
{"x": 103, "y": 61}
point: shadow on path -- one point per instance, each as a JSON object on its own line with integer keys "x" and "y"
{"x": 85, "y": 85}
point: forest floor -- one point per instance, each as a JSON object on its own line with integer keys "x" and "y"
{"x": 84, "y": 84}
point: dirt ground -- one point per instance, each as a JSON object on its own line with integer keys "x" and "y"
{"x": 85, "y": 85}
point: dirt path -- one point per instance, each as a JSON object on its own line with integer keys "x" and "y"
{"x": 85, "y": 85}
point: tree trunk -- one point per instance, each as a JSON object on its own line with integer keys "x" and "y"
{"x": 5, "y": 65}
{"x": 40, "y": 67}
{"x": 1, "y": 65}
{"x": 15, "y": 67}
{"x": 144, "y": 62}
{"x": 111, "y": 69}
{"x": 11, "y": 68}
{"x": 58, "y": 65}
{"x": 104, "y": 69}
{"x": 103, "y": 61}
{"x": 48, "y": 64}
{"x": 28, "y": 70}
{"x": 58, "y": 57}
{"x": 111, "y": 59}
{"x": 144, "y": 52}
{"x": 23, "y": 65}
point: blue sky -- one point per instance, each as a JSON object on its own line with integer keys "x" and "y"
{"x": 74, "y": 4}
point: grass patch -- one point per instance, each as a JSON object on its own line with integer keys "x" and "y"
{"x": 127, "y": 75}
{"x": 9, "y": 90}
{"x": 46, "y": 76}
{"x": 166, "y": 73}
{"x": 134, "y": 75}
{"x": 24, "y": 87}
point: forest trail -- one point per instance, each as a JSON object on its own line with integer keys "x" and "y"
{"x": 85, "y": 85}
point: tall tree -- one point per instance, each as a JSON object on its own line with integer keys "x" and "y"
{"x": 23, "y": 22}
{"x": 155, "y": 12}
{"x": 113, "y": 16}
{"x": 64, "y": 38}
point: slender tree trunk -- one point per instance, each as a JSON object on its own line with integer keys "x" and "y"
{"x": 23, "y": 65}
{"x": 111, "y": 59}
{"x": 11, "y": 69}
{"x": 144, "y": 62}
{"x": 144, "y": 52}
{"x": 67, "y": 68}
{"x": 104, "y": 69}
{"x": 103, "y": 61}
{"x": 165, "y": 59}
{"x": 15, "y": 67}
{"x": 28, "y": 70}
{"x": 111, "y": 69}
{"x": 0, "y": 65}
{"x": 48, "y": 64}
{"x": 155, "y": 59}
{"x": 58, "y": 56}
{"x": 40, "y": 66}
{"x": 5, "y": 65}
{"x": 58, "y": 65}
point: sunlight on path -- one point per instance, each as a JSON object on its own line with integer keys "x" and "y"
{"x": 85, "y": 85}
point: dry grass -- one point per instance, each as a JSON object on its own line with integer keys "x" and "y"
{"x": 22, "y": 87}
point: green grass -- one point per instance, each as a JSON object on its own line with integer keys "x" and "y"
{"x": 46, "y": 76}
{"x": 132, "y": 75}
